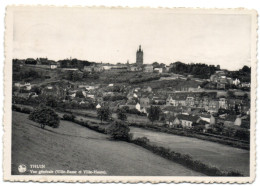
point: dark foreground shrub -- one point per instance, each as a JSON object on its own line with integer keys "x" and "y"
{"x": 120, "y": 131}
{"x": 45, "y": 116}
{"x": 16, "y": 108}
{"x": 26, "y": 110}
{"x": 68, "y": 117}
{"x": 21, "y": 109}
{"x": 142, "y": 140}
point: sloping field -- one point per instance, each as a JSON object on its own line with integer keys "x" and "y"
{"x": 73, "y": 147}
{"x": 218, "y": 155}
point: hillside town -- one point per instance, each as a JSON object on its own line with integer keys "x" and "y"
{"x": 193, "y": 102}
{"x": 184, "y": 100}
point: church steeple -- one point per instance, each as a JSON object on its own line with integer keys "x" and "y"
{"x": 139, "y": 56}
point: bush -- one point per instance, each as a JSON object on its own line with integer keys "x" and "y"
{"x": 21, "y": 109}
{"x": 26, "y": 110}
{"x": 243, "y": 134}
{"x": 68, "y": 117}
{"x": 16, "y": 108}
{"x": 142, "y": 141}
{"x": 45, "y": 116}
{"x": 119, "y": 131}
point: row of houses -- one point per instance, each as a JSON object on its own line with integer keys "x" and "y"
{"x": 189, "y": 121}
{"x": 209, "y": 104}
{"x": 221, "y": 80}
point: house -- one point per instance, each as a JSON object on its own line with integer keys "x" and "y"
{"x": 98, "y": 106}
{"x": 213, "y": 106}
{"x": 148, "y": 68}
{"x": 166, "y": 69}
{"x": 171, "y": 110}
{"x": 26, "y": 86}
{"x": 158, "y": 70}
{"x": 42, "y": 61}
{"x": 223, "y": 103}
{"x": 245, "y": 85}
{"x": 235, "y": 104}
{"x": 88, "y": 68}
{"x": 232, "y": 120}
{"x": 82, "y": 102}
{"x": 90, "y": 96}
{"x": 53, "y": 66}
{"x": 144, "y": 110}
{"x": 205, "y": 117}
{"x": 98, "y": 68}
{"x": 190, "y": 101}
{"x": 187, "y": 121}
{"x": 147, "y": 89}
{"x": 170, "y": 101}
{"x": 17, "y": 85}
{"x": 138, "y": 107}
{"x": 221, "y": 85}
{"x": 236, "y": 82}
{"x": 107, "y": 67}
{"x": 179, "y": 100}
{"x": 173, "y": 122}
{"x": 133, "y": 68}
{"x": 99, "y": 99}
{"x": 144, "y": 102}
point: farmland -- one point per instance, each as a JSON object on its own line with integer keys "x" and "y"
{"x": 221, "y": 156}
{"x": 73, "y": 147}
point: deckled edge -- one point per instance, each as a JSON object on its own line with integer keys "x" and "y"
{"x": 124, "y": 179}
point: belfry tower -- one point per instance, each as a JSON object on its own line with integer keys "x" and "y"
{"x": 139, "y": 56}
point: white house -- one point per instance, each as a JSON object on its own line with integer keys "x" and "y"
{"x": 53, "y": 66}
{"x": 236, "y": 82}
{"x": 159, "y": 70}
{"x": 107, "y": 67}
{"x": 138, "y": 107}
{"x": 90, "y": 96}
{"x": 98, "y": 106}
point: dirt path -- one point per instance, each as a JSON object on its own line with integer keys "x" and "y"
{"x": 73, "y": 147}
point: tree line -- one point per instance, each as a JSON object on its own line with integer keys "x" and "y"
{"x": 198, "y": 70}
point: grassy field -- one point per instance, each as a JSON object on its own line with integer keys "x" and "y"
{"x": 73, "y": 147}
{"x": 221, "y": 156}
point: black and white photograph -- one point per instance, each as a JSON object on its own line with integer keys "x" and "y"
{"x": 133, "y": 92}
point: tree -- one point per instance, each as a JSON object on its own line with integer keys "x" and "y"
{"x": 51, "y": 101}
{"x": 199, "y": 128}
{"x": 230, "y": 94}
{"x": 246, "y": 69}
{"x": 103, "y": 113}
{"x": 245, "y": 97}
{"x": 119, "y": 131}
{"x": 121, "y": 115}
{"x": 45, "y": 116}
{"x": 36, "y": 89}
{"x": 79, "y": 94}
{"x": 154, "y": 113}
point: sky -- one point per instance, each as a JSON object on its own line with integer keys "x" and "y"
{"x": 114, "y": 35}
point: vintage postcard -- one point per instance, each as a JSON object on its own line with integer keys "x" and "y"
{"x": 112, "y": 94}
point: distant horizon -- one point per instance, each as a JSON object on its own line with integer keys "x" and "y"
{"x": 166, "y": 36}
{"x": 102, "y": 62}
